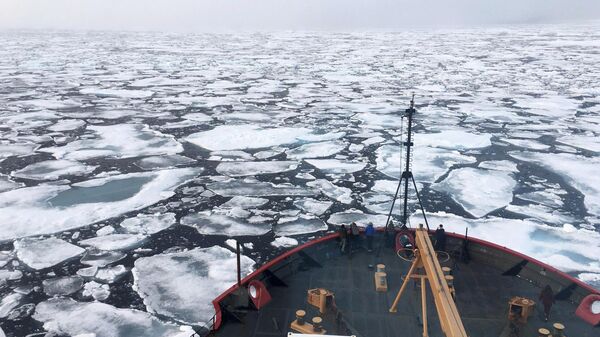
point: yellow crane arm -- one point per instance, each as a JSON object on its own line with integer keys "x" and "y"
{"x": 448, "y": 313}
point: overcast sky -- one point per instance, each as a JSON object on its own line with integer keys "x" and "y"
{"x": 232, "y": 15}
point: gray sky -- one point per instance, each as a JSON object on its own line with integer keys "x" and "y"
{"x": 225, "y": 15}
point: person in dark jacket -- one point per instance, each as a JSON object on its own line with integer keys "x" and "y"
{"x": 343, "y": 238}
{"x": 370, "y": 233}
{"x": 547, "y": 299}
{"x": 440, "y": 239}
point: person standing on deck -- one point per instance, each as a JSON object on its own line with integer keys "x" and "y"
{"x": 440, "y": 239}
{"x": 343, "y": 237}
{"x": 369, "y": 233}
{"x": 355, "y": 233}
{"x": 547, "y": 299}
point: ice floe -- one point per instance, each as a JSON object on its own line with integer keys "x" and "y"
{"x": 66, "y": 125}
{"x": 45, "y": 253}
{"x": 315, "y": 150}
{"x": 60, "y": 286}
{"x": 118, "y": 93}
{"x": 284, "y": 242}
{"x": 341, "y": 194}
{"x": 9, "y": 303}
{"x": 118, "y": 141}
{"x": 115, "y": 241}
{"x": 313, "y": 206}
{"x": 244, "y": 202}
{"x": 111, "y": 274}
{"x": 6, "y": 184}
{"x": 478, "y": 191}
{"x": 362, "y": 219}
{"x": 53, "y": 170}
{"x": 48, "y": 209}
{"x": 239, "y": 137}
{"x": 98, "y": 291}
{"x": 578, "y": 171}
{"x": 148, "y": 223}
{"x": 566, "y": 248}
{"x": 334, "y": 166}
{"x": 100, "y": 258}
{"x": 302, "y": 224}
{"x": 428, "y": 166}
{"x": 209, "y": 223}
{"x": 163, "y": 162}
{"x": 182, "y": 285}
{"x": 453, "y": 139}
{"x": 240, "y": 169}
{"x": 66, "y": 316}
{"x": 254, "y": 188}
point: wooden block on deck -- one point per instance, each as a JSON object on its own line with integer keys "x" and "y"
{"x": 306, "y": 328}
{"x": 381, "y": 282}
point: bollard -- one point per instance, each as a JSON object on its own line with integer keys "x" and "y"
{"x": 317, "y": 323}
{"x": 450, "y": 280}
{"x": 300, "y": 316}
{"x": 381, "y": 268}
{"x": 559, "y": 330}
{"x": 543, "y": 332}
{"x": 447, "y": 270}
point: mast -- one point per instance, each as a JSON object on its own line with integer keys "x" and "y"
{"x": 407, "y": 174}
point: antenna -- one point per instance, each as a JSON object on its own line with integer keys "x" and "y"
{"x": 407, "y": 173}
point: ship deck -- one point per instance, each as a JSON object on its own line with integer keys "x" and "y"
{"x": 482, "y": 296}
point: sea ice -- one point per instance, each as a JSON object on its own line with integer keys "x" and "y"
{"x": 118, "y": 141}
{"x": 111, "y": 274}
{"x": 53, "y": 170}
{"x": 99, "y": 258}
{"x": 478, "y": 191}
{"x": 588, "y": 142}
{"x": 566, "y": 248}
{"x": 17, "y": 149}
{"x": 209, "y": 223}
{"x": 252, "y": 168}
{"x": 244, "y": 202}
{"x": 240, "y": 137}
{"x": 316, "y": 150}
{"x": 333, "y": 166}
{"x": 182, "y": 285}
{"x": 313, "y": 206}
{"x": 49, "y": 209}
{"x": 10, "y": 302}
{"x": 361, "y": 219}
{"x": 66, "y": 125}
{"x": 118, "y": 93}
{"x": 341, "y": 194}
{"x": 254, "y": 188}
{"x": 453, "y": 139}
{"x": 148, "y": 223}
{"x": 500, "y": 165}
{"x": 66, "y": 316}
{"x": 115, "y": 241}
{"x": 542, "y": 213}
{"x": 6, "y": 184}
{"x": 99, "y": 292}
{"x": 428, "y": 166}
{"x": 527, "y": 144}
{"x": 301, "y": 225}
{"x": 580, "y": 172}
{"x": 162, "y": 162}
{"x": 284, "y": 242}
{"x": 60, "y": 286}
{"x": 45, "y": 253}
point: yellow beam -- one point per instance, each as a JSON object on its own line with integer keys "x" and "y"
{"x": 424, "y": 306}
{"x": 448, "y": 313}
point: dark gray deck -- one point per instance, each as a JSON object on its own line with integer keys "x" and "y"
{"x": 482, "y": 299}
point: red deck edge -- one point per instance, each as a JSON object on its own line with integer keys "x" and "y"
{"x": 271, "y": 263}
